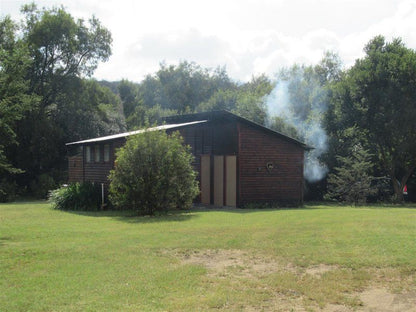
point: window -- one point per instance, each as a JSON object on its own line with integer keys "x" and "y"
{"x": 106, "y": 153}
{"x": 88, "y": 154}
{"x": 97, "y": 155}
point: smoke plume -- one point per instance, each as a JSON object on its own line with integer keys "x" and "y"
{"x": 305, "y": 117}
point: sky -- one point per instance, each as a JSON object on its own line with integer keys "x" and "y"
{"x": 247, "y": 37}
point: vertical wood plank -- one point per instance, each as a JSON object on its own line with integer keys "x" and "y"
{"x": 219, "y": 180}
{"x": 205, "y": 179}
{"x": 231, "y": 180}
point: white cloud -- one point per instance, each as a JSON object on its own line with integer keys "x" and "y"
{"x": 189, "y": 44}
{"x": 399, "y": 24}
{"x": 248, "y": 36}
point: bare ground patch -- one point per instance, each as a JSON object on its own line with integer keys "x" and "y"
{"x": 235, "y": 262}
{"x": 318, "y": 270}
{"x": 238, "y": 264}
{"x": 377, "y": 299}
{"x": 382, "y": 300}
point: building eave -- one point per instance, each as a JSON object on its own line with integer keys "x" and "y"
{"x": 130, "y": 133}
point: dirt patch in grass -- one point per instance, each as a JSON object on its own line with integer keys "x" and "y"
{"x": 319, "y": 270}
{"x": 382, "y": 300}
{"x": 238, "y": 265}
{"x": 376, "y": 299}
{"x": 235, "y": 262}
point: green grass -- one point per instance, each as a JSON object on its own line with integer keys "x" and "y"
{"x": 110, "y": 261}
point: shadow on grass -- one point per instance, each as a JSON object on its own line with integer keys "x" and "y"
{"x": 204, "y": 208}
{"x": 179, "y": 215}
{"x": 380, "y": 205}
{"x": 307, "y": 206}
{"x": 131, "y": 216}
{"x": 4, "y": 240}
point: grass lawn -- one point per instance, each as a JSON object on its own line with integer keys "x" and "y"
{"x": 315, "y": 258}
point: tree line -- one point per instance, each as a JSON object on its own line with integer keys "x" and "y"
{"x": 47, "y": 98}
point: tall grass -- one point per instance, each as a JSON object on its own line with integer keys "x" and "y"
{"x": 76, "y": 196}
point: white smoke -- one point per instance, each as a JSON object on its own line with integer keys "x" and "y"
{"x": 310, "y": 130}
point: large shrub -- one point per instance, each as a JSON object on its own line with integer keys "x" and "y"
{"x": 76, "y": 196}
{"x": 153, "y": 172}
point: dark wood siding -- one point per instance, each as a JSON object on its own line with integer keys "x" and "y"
{"x": 219, "y": 138}
{"x": 270, "y": 168}
{"x": 75, "y": 168}
{"x": 99, "y": 171}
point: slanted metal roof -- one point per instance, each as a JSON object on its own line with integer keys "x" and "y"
{"x": 126, "y": 134}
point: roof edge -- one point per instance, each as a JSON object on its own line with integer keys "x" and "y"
{"x": 130, "y": 133}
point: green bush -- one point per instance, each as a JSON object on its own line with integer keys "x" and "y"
{"x": 76, "y": 196}
{"x": 153, "y": 173}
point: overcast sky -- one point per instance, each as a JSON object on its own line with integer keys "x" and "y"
{"x": 248, "y": 37}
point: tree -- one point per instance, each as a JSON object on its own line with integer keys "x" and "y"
{"x": 378, "y": 96}
{"x": 128, "y": 92}
{"x": 15, "y": 99}
{"x": 62, "y": 51}
{"x": 88, "y": 110}
{"x": 351, "y": 181}
{"x": 246, "y": 100}
{"x": 183, "y": 87}
{"x": 278, "y": 124}
{"x": 251, "y": 106}
{"x": 153, "y": 173}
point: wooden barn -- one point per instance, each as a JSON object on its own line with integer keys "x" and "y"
{"x": 237, "y": 161}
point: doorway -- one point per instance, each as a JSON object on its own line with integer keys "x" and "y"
{"x": 219, "y": 180}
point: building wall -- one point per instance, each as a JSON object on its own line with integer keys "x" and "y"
{"x": 211, "y": 139}
{"x": 214, "y": 138}
{"x": 99, "y": 171}
{"x": 270, "y": 168}
{"x": 75, "y": 169}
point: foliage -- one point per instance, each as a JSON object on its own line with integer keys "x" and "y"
{"x": 15, "y": 99}
{"x": 153, "y": 173}
{"x": 182, "y": 87}
{"x": 62, "y": 46}
{"x": 8, "y": 190}
{"x": 94, "y": 111}
{"x": 128, "y": 92}
{"x": 44, "y": 99}
{"x": 76, "y": 196}
{"x": 377, "y": 96}
{"x": 352, "y": 181}
{"x": 280, "y": 125}
{"x": 189, "y": 88}
{"x": 42, "y": 185}
{"x": 245, "y": 100}
{"x": 141, "y": 117}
